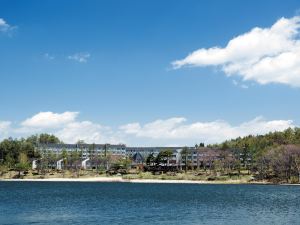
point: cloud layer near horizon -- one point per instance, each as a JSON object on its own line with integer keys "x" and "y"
{"x": 174, "y": 131}
{"x": 263, "y": 55}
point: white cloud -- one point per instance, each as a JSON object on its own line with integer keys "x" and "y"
{"x": 85, "y": 130}
{"x": 236, "y": 83}
{"x": 81, "y": 57}
{"x": 263, "y": 55}
{"x": 4, "y": 125}
{"x": 4, "y": 128}
{"x": 66, "y": 126}
{"x": 49, "y": 56}
{"x": 176, "y": 130}
{"x": 5, "y": 27}
{"x": 131, "y": 128}
{"x": 49, "y": 120}
{"x": 154, "y": 129}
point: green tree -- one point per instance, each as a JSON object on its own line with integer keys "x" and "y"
{"x": 185, "y": 158}
{"x": 23, "y": 163}
{"x": 163, "y": 157}
{"x": 48, "y": 139}
{"x": 65, "y": 156}
{"x": 150, "y": 159}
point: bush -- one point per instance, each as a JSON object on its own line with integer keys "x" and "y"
{"x": 294, "y": 180}
{"x": 211, "y": 178}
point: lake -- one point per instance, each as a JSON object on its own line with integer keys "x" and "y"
{"x": 127, "y": 203}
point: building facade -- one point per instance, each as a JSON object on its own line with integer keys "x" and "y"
{"x": 84, "y": 150}
{"x": 89, "y": 154}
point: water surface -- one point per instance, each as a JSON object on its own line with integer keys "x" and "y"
{"x": 125, "y": 203}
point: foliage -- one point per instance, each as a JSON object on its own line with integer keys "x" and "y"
{"x": 43, "y": 139}
{"x": 16, "y": 153}
{"x": 150, "y": 159}
{"x": 282, "y": 163}
{"x": 256, "y": 145}
{"x": 23, "y": 163}
{"x": 163, "y": 157}
{"x": 274, "y": 156}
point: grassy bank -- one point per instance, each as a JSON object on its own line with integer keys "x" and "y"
{"x": 189, "y": 176}
{"x": 91, "y": 174}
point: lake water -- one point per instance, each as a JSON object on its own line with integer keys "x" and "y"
{"x": 126, "y": 203}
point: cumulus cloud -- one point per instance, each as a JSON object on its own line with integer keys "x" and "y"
{"x": 49, "y": 119}
{"x": 67, "y": 127}
{"x": 87, "y": 131}
{"x": 5, "y": 27}
{"x": 4, "y": 125}
{"x": 263, "y": 55}
{"x": 154, "y": 129}
{"x": 81, "y": 57}
{"x": 4, "y": 128}
{"x": 175, "y": 131}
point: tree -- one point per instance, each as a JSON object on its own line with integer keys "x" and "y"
{"x": 163, "y": 157}
{"x": 65, "y": 157}
{"x": 92, "y": 151}
{"x": 167, "y": 154}
{"x": 150, "y": 159}
{"x": 296, "y": 162}
{"x": 262, "y": 166}
{"x": 10, "y": 149}
{"x": 208, "y": 158}
{"x": 225, "y": 146}
{"x": 283, "y": 162}
{"x": 158, "y": 159}
{"x": 184, "y": 157}
{"x": 9, "y": 161}
{"x": 23, "y": 163}
{"x": 295, "y": 154}
{"x": 28, "y": 148}
{"x": 74, "y": 157}
{"x": 123, "y": 163}
{"x": 217, "y": 166}
{"x": 228, "y": 161}
{"x": 48, "y": 139}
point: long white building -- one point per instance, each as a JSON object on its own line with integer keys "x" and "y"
{"x": 194, "y": 157}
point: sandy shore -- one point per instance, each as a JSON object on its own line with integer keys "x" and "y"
{"x": 120, "y": 179}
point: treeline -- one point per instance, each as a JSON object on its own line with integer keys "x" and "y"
{"x": 17, "y": 152}
{"x": 257, "y": 144}
{"x": 274, "y": 156}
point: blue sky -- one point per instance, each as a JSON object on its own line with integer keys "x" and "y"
{"x": 111, "y": 61}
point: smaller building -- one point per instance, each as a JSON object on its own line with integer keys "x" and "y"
{"x": 84, "y": 163}
{"x": 137, "y": 159}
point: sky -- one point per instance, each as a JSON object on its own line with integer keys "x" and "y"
{"x": 149, "y": 73}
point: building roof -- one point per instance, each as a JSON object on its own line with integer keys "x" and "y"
{"x": 72, "y": 146}
{"x": 137, "y": 157}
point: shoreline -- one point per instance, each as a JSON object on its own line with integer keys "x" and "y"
{"x": 141, "y": 181}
